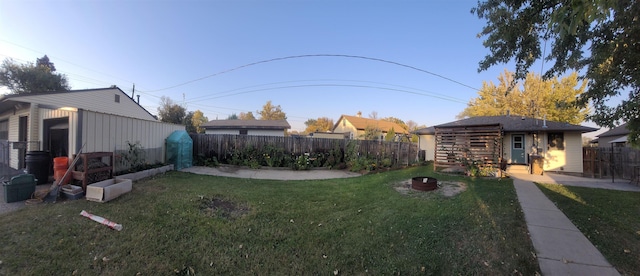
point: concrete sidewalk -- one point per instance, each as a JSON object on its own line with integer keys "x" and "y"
{"x": 561, "y": 248}
{"x": 274, "y": 174}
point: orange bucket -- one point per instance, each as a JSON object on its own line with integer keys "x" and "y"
{"x": 60, "y": 163}
{"x": 58, "y": 174}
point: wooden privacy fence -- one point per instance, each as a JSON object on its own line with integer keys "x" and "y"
{"x": 222, "y": 146}
{"x": 605, "y": 162}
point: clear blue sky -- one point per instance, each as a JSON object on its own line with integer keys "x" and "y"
{"x": 162, "y": 44}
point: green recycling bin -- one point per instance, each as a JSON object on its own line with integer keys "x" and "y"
{"x": 19, "y": 188}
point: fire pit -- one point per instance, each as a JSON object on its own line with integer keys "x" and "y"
{"x": 424, "y": 183}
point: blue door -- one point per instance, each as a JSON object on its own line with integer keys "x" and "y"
{"x": 517, "y": 149}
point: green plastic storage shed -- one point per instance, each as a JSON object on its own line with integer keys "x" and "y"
{"x": 179, "y": 150}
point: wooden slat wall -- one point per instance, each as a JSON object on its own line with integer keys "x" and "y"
{"x": 481, "y": 143}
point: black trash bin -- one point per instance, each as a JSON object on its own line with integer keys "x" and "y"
{"x": 38, "y": 163}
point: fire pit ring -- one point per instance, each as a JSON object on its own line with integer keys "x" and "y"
{"x": 424, "y": 183}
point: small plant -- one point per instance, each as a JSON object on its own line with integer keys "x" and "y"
{"x": 302, "y": 162}
{"x": 133, "y": 158}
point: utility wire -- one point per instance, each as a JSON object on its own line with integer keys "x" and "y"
{"x": 339, "y": 85}
{"x": 321, "y": 80}
{"x": 311, "y": 56}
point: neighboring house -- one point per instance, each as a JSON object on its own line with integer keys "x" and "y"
{"x": 247, "y": 127}
{"x": 355, "y": 126}
{"x": 103, "y": 120}
{"x": 510, "y": 139}
{"x": 427, "y": 142}
{"x": 616, "y": 136}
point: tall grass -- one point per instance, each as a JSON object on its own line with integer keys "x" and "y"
{"x": 341, "y": 226}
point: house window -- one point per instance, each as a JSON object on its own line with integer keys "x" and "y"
{"x": 4, "y": 130}
{"x": 243, "y": 132}
{"x": 117, "y": 98}
{"x": 556, "y": 141}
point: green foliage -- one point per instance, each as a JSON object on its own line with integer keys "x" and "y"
{"x": 597, "y": 38}
{"x": 301, "y": 162}
{"x": 29, "y": 78}
{"x": 233, "y": 117}
{"x": 391, "y": 135}
{"x": 133, "y": 157}
{"x": 170, "y": 112}
{"x": 372, "y": 133}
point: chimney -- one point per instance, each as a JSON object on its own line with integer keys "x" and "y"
{"x": 359, "y": 114}
{"x": 138, "y": 99}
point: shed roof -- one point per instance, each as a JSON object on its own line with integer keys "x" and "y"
{"x": 98, "y": 100}
{"x": 518, "y": 123}
{"x": 246, "y": 124}
{"x": 362, "y": 123}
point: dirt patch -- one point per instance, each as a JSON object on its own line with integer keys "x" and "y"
{"x": 217, "y": 206}
{"x": 445, "y": 188}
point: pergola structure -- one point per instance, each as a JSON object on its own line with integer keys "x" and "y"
{"x": 460, "y": 145}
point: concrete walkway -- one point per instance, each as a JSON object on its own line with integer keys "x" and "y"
{"x": 275, "y": 174}
{"x": 561, "y": 248}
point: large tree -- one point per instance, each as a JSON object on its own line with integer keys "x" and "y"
{"x": 246, "y": 116}
{"x": 322, "y": 124}
{"x": 271, "y": 112}
{"x": 171, "y": 112}
{"x": 30, "y": 78}
{"x": 197, "y": 120}
{"x": 598, "y": 38}
{"x": 552, "y": 98}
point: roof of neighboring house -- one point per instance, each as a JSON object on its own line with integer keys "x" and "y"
{"x": 98, "y": 100}
{"x": 620, "y": 130}
{"x": 517, "y": 123}
{"x": 246, "y": 124}
{"x": 426, "y": 131}
{"x": 362, "y": 123}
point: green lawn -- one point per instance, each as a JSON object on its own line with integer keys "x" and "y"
{"x": 345, "y": 226}
{"x": 609, "y": 219}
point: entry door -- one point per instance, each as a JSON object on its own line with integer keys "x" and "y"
{"x": 23, "y": 132}
{"x": 517, "y": 149}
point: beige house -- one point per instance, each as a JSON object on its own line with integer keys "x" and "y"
{"x": 60, "y": 123}
{"x": 354, "y": 127}
{"x": 247, "y": 127}
{"x": 513, "y": 139}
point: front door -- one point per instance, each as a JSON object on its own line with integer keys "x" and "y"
{"x": 517, "y": 149}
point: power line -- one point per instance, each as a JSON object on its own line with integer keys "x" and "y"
{"x": 340, "y": 85}
{"x": 311, "y": 56}
{"x": 322, "y": 80}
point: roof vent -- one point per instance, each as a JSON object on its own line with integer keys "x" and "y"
{"x": 544, "y": 122}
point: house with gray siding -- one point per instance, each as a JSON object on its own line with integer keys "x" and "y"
{"x": 247, "y": 127}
